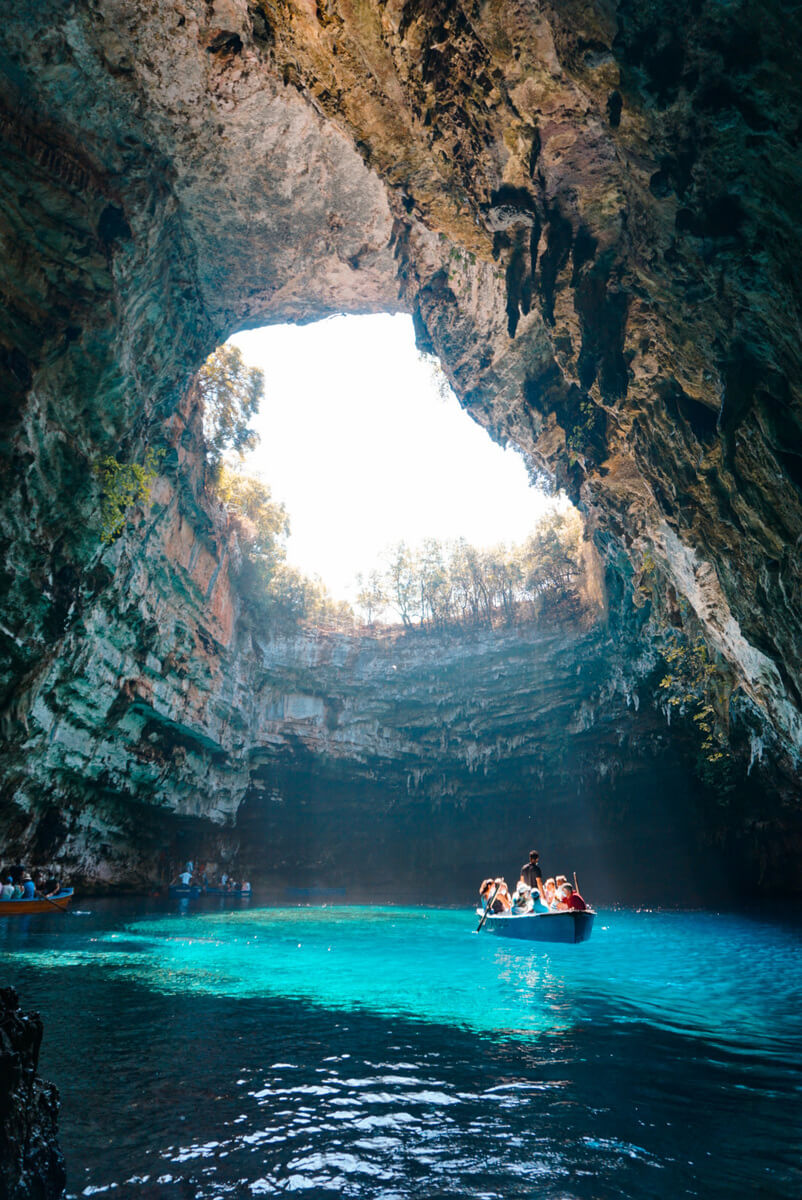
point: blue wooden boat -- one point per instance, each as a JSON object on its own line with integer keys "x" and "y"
{"x": 574, "y": 925}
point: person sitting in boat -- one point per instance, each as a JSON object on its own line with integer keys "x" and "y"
{"x": 571, "y": 900}
{"x": 522, "y": 901}
{"x": 559, "y": 884}
{"x": 548, "y": 895}
{"x": 498, "y": 889}
{"x": 246, "y": 888}
{"x": 51, "y": 886}
{"x": 28, "y": 887}
{"x": 7, "y": 890}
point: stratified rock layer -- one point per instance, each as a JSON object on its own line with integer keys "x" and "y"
{"x": 588, "y": 209}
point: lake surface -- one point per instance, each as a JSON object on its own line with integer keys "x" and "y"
{"x": 391, "y": 1053}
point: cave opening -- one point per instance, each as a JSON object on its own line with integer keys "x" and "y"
{"x": 365, "y": 444}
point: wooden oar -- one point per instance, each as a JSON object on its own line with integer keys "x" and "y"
{"x": 486, "y": 913}
{"x": 58, "y": 907}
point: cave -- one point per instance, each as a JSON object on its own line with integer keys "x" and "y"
{"x": 590, "y": 213}
{"x": 151, "y": 210}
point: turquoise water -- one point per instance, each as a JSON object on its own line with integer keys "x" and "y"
{"x": 392, "y": 1052}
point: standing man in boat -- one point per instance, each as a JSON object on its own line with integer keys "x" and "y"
{"x": 531, "y": 872}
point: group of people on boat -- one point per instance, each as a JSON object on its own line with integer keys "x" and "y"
{"x": 196, "y": 875}
{"x": 19, "y": 884}
{"x": 532, "y": 893}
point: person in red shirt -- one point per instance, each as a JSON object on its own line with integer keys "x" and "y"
{"x": 572, "y": 899}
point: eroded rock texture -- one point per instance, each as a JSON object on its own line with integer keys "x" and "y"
{"x": 588, "y": 208}
{"x": 31, "y": 1165}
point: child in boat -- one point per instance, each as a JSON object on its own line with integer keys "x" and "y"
{"x": 522, "y": 901}
{"x": 548, "y": 897}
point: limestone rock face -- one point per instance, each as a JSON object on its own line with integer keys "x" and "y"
{"x": 590, "y": 211}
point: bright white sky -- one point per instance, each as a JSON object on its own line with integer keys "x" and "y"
{"x": 362, "y": 450}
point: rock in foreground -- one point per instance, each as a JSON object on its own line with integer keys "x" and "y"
{"x": 31, "y": 1163}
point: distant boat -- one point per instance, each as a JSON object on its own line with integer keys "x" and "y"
{"x": 236, "y": 894}
{"x": 19, "y": 908}
{"x": 573, "y": 925}
{"x": 178, "y": 889}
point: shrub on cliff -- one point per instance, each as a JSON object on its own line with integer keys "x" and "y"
{"x": 121, "y": 486}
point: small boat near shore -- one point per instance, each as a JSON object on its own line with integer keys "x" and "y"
{"x": 178, "y": 889}
{"x": 573, "y": 925}
{"x": 24, "y": 908}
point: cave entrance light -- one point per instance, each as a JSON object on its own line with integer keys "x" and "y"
{"x": 366, "y": 447}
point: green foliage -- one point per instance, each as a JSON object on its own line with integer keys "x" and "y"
{"x": 292, "y": 598}
{"x": 691, "y": 686}
{"x": 274, "y": 594}
{"x": 551, "y": 559}
{"x": 231, "y": 394}
{"x": 439, "y": 584}
{"x": 438, "y": 377}
{"x": 372, "y": 595}
{"x": 583, "y": 429}
{"x": 121, "y": 486}
{"x": 262, "y": 521}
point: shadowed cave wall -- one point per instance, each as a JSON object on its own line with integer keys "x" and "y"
{"x": 588, "y": 209}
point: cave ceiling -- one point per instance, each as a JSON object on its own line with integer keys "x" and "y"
{"x": 589, "y": 209}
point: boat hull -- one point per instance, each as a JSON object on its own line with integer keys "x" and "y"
{"x": 567, "y": 927}
{"x": 24, "y": 908}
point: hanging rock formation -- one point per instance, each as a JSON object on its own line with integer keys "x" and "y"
{"x": 589, "y": 210}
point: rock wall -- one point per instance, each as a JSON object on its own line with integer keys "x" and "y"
{"x": 589, "y": 210}
{"x": 31, "y": 1164}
